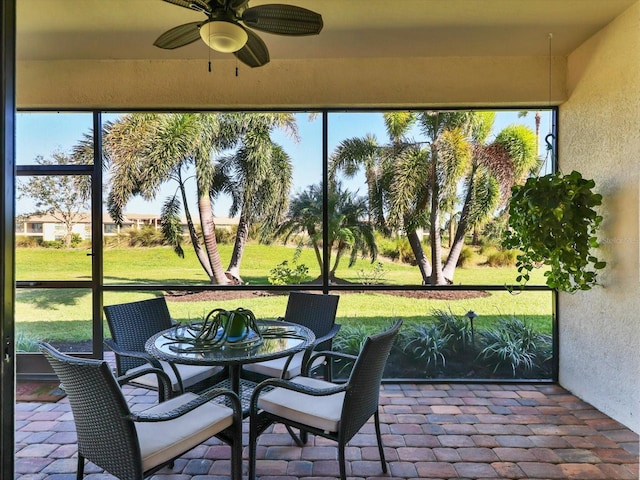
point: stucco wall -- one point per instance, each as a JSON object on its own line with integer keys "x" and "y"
{"x": 600, "y": 137}
{"x": 373, "y": 82}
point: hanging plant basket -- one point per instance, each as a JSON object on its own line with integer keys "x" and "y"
{"x": 553, "y": 222}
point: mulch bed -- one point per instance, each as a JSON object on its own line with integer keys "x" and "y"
{"x": 221, "y": 295}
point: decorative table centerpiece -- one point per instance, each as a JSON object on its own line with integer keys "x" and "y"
{"x": 234, "y": 328}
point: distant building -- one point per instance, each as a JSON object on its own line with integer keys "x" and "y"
{"x": 48, "y": 228}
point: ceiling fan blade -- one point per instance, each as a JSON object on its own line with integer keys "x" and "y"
{"x": 283, "y": 19}
{"x": 197, "y": 5}
{"x": 179, "y": 36}
{"x": 254, "y": 53}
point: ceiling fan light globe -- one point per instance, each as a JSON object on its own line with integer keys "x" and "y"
{"x": 223, "y": 36}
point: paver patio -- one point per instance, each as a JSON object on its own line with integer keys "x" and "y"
{"x": 444, "y": 431}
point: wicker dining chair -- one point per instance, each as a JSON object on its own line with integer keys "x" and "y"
{"x": 133, "y": 445}
{"x": 131, "y": 324}
{"x": 323, "y": 408}
{"x": 316, "y": 312}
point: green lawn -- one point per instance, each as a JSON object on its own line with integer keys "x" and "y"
{"x": 65, "y": 314}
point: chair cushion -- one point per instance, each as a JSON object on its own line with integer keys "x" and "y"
{"x": 165, "y": 440}
{"x": 319, "y": 412}
{"x": 191, "y": 374}
{"x": 273, "y": 368}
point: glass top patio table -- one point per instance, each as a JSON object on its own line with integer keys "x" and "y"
{"x": 280, "y": 339}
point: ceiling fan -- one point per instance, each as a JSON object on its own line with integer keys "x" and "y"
{"x": 223, "y": 30}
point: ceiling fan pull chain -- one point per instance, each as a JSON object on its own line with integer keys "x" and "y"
{"x": 236, "y": 67}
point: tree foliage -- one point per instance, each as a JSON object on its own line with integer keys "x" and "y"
{"x": 65, "y": 197}
{"x": 349, "y": 232}
{"x": 452, "y": 175}
{"x": 146, "y": 151}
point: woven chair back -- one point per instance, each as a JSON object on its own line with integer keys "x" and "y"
{"x": 131, "y": 324}
{"x": 361, "y": 399}
{"x": 106, "y": 436}
{"x": 314, "y": 311}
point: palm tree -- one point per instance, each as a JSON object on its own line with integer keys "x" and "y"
{"x": 421, "y": 181}
{"x": 481, "y": 175}
{"x": 148, "y": 150}
{"x": 349, "y": 230}
{"x": 414, "y": 181}
{"x": 257, "y": 177}
{"x": 537, "y": 119}
{"x": 355, "y": 152}
{"x": 394, "y": 174}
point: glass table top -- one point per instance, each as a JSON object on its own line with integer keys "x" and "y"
{"x": 279, "y": 339}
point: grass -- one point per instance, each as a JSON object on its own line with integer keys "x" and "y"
{"x": 65, "y": 315}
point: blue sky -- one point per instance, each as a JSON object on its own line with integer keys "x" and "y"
{"x": 44, "y": 133}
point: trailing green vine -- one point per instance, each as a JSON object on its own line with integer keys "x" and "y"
{"x": 552, "y": 221}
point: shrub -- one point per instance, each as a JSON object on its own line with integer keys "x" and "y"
{"x": 514, "y": 343}
{"x": 500, "y": 258}
{"x": 427, "y": 343}
{"x": 467, "y": 255}
{"x": 283, "y": 274}
{"x": 25, "y": 343}
{"x": 350, "y": 338}
{"x": 372, "y": 276}
{"x": 397, "y": 248}
{"x": 76, "y": 239}
{"x": 226, "y": 236}
{"x": 57, "y": 244}
{"x": 456, "y": 329}
{"x": 22, "y": 241}
{"x": 147, "y": 236}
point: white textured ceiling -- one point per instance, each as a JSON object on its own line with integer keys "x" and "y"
{"x": 126, "y": 29}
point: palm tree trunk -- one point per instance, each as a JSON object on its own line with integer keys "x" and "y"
{"x": 451, "y": 230}
{"x": 476, "y": 236}
{"x": 437, "y": 277}
{"x": 423, "y": 262}
{"x": 458, "y": 240}
{"x": 201, "y": 255}
{"x": 238, "y": 247}
{"x": 339, "y": 253}
{"x": 210, "y": 242}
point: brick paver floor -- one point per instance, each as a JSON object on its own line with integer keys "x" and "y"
{"x": 448, "y": 431}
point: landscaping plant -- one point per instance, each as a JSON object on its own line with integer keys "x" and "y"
{"x": 455, "y": 328}
{"x": 553, "y": 222}
{"x": 427, "y": 343}
{"x": 514, "y": 343}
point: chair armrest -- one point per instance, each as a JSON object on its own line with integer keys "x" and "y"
{"x": 334, "y": 354}
{"x": 129, "y": 353}
{"x": 308, "y": 362}
{"x": 329, "y": 335}
{"x": 191, "y": 405}
{"x": 164, "y": 382}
